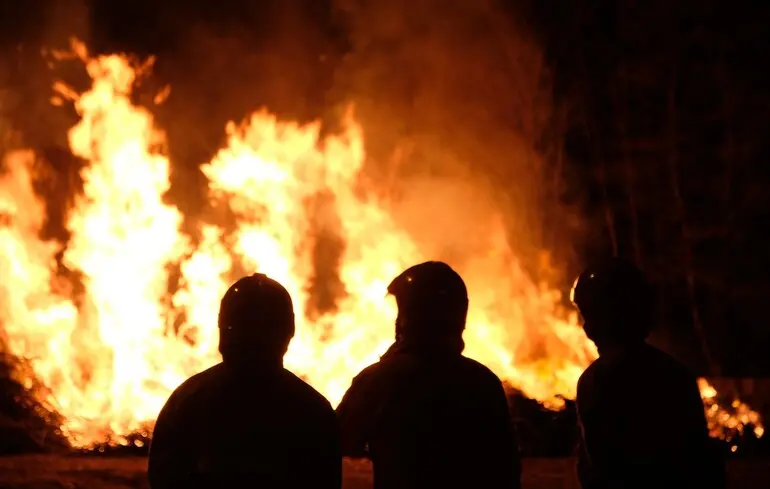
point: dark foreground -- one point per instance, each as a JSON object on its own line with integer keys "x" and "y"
{"x": 60, "y": 472}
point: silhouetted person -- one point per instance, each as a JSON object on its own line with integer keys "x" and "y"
{"x": 427, "y": 416}
{"x": 641, "y": 415}
{"x": 248, "y": 422}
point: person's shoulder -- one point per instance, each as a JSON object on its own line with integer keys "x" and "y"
{"x": 592, "y": 375}
{"x": 191, "y": 388}
{"x": 306, "y": 393}
{"x": 589, "y": 373}
{"x": 198, "y": 381}
{"x": 477, "y": 368}
{"x": 669, "y": 365}
{"x": 377, "y": 368}
{"x": 402, "y": 365}
{"x": 479, "y": 374}
{"x": 387, "y": 366}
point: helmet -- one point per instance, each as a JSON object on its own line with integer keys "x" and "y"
{"x": 431, "y": 294}
{"x": 256, "y": 315}
{"x": 613, "y": 294}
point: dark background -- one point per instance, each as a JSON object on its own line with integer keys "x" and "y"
{"x": 670, "y": 145}
{"x": 651, "y": 118}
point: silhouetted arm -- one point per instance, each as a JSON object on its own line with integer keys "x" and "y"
{"x": 353, "y": 415}
{"x": 584, "y": 475}
{"x": 510, "y": 462}
{"x": 323, "y": 464}
{"x": 169, "y": 466}
{"x": 598, "y": 451}
{"x": 500, "y": 444}
{"x": 589, "y": 475}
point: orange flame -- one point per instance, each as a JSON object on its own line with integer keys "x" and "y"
{"x": 110, "y": 360}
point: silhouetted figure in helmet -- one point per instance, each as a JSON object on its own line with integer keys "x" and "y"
{"x": 427, "y": 416}
{"x": 641, "y": 416}
{"x": 248, "y": 422}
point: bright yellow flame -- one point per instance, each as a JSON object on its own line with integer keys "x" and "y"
{"x": 109, "y": 357}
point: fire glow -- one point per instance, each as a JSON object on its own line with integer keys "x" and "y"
{"x": 107, "y": 359}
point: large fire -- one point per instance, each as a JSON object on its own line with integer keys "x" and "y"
{"x": 107, "y": 357}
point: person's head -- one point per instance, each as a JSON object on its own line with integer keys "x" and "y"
{"x": 615, "y": 302}
{"x": 432, "y": 304}
{"x": 256, "y": 322}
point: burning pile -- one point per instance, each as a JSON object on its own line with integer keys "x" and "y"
{"x": 108, "y": 356}
{"x": 725, "y": 423}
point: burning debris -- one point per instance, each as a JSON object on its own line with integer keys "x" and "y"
{"x": 734, "y": 424}
{"x": 108, "y": 358}
{"x": 545, "y": 432}
{"x": 26, "y": 425}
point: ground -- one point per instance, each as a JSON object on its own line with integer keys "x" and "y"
{"x": 60, "y": 472}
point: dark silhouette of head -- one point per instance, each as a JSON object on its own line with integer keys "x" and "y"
{"x": 615, "y": 301}
{"x": 256, "y": 322}
{"x": 432, "y": 305}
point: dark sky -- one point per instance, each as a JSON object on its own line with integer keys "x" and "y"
{"x": 671, "y": 150}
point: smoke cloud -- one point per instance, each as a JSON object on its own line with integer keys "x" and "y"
{"x": 454, "y": 98}
{"x": 456, "y": 104}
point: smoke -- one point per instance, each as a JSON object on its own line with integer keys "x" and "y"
{"x": 27, "y": 118}
{"x": 454, "y": 98}
{"x": 226, "y": 63}
{"x": 460, "y": 89}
